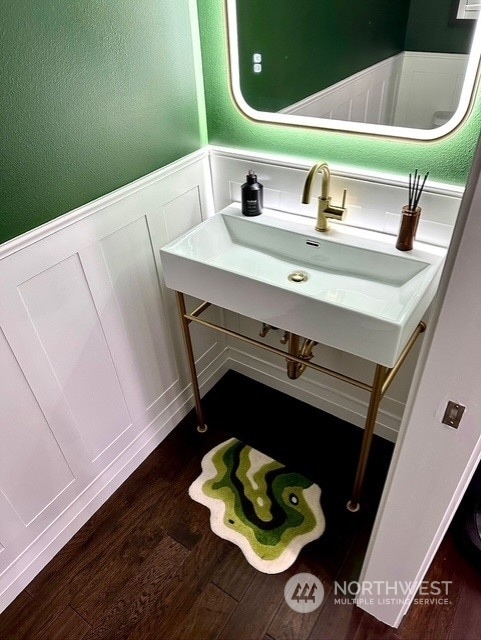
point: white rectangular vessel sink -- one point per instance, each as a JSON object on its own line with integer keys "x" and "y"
{"x": 348, "y": 288}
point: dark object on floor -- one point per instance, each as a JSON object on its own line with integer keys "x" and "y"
{"x": 467, "y": 522}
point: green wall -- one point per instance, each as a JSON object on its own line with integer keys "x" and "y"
{"x": 448, "y": 160}
{"x": 312, "y": 45}
{"x": 95, "y": 95}
{"x": 432, "y": 27}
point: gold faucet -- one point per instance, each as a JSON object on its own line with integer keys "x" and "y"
{"x": 325, "y": 209}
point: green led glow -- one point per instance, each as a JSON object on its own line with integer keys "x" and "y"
{"x": 199, "y": 79}
{"x": 448, "y": 160}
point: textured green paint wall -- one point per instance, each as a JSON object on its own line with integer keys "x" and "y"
{"x": 448, "y": 160}
{"x": 337, "y": 38}
{"x": 95, "y": 95}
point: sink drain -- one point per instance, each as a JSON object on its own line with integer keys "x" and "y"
{"x": 298, "y": 276}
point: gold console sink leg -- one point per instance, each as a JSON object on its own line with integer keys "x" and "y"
{"x": 376, "y": 396}
{"x": 201, "y": 425}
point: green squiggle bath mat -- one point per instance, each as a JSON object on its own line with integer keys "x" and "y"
{"x": 267, "y": 510}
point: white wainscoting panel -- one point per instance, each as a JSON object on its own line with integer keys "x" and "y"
{"x": 405, "y": 90}
{"x": 366, "y": 96}
{"x": 430, "y": 82}
{"x": 33, "y": 469}
{"x": 130, "y": 262}
{"x": 63, "y": 315}
{"x": 92, "y": 362}
{"x": 189, "y": 204}
{"x": 205, "y": 342}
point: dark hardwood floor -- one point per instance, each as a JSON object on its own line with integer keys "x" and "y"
{"x": 147, "y": 566}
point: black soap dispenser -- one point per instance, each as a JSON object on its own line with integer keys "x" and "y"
{"x": 252, "y": 198}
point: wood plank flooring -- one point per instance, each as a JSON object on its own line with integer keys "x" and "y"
{"x": 146, "y": 566}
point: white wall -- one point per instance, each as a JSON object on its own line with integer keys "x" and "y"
{"x": 433, "y": 462}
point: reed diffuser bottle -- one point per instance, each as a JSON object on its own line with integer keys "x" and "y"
{"x": 411, "y": 213}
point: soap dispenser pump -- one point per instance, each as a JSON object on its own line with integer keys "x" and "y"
{"x": 252, "y": 195}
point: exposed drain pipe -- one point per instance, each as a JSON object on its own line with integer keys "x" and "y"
{"x": 294, "y": 369}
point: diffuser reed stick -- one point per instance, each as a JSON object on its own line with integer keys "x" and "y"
{"x": 415, "y": 191}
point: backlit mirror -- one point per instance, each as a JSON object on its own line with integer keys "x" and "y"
{"x": 406, "y": 68}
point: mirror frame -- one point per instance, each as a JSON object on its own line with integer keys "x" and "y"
{"x": 465, "y": 102}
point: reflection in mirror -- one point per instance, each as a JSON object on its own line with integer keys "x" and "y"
{"x": 405, "y": 68}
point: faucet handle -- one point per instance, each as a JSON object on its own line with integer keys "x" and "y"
{"x": 336, "y": 212}
{"x": 343, "y": 204}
